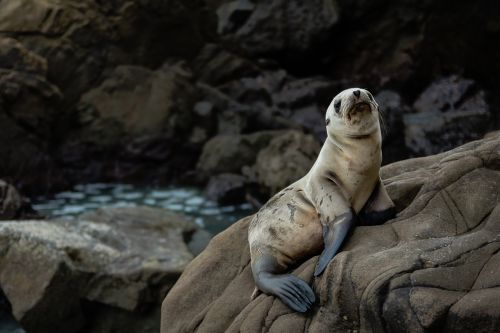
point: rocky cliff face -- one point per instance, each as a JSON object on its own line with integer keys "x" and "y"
{"x": 127, "y": 90}
{"x": 434, "y": 268}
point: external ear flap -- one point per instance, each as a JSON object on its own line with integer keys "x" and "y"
{"x": 327, "y": 121}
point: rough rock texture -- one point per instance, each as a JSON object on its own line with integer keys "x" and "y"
{"x": 450, "y": 112}
{"x": 75, "y": 75}
{"x": 105, "y": 272}
{"x": 434, "y": 268}
{"x": 226, "y": 188}
{"x": 28, "y": 114}
{"x": 135, "y": 114}
{"x": 286, "y": 159}
{"x": 267, "y": 27}
{"x": 13, "y": 205}
{"x": 52, "y": 52}
{"x": 230, "y": 153}
{"x": 392, "y": 109}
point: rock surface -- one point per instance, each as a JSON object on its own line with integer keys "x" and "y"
{"x": 135, "y": 114}
{"x": 431, "y": 269}
{"x": 230, "y": 153}
{"x": 13, "y": 205}
{"x": 104, "y": 272}
{"x": 274, "y": 26}
{"x": 75, "y": 77}
{"x": 286, "y": 159}
{"x": 226, "y": 189}
{"x": 450, "y": 112}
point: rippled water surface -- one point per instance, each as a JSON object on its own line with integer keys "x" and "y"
{"x": 186, "y": 200}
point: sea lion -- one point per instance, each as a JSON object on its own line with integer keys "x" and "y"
{"x": 317, "y": 212}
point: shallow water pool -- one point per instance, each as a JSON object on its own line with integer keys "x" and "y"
{"x": 185, "y": 200}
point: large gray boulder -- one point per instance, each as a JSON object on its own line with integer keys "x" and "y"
{"x": 431, "y": 269}
{"x": 106, "y": 271}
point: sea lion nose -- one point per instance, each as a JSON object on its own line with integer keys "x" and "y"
{"x": 356, "y": 93}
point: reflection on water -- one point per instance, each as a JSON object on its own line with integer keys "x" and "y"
{"x": 186, "y": 200}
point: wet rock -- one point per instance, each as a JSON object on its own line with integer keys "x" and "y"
{"x": 450, "y": 112}
{"x": 229, "y": 153}
{"x": 123, "y": 260}
{"x": 286, "y": 159}
{"x": 400, "y": 276}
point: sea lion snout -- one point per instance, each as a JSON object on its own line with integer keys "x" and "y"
{"x": 357, "y": 93}
{"x": 358, "y": 110}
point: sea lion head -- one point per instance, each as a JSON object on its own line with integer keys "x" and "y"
{"x": 353, "y": 112}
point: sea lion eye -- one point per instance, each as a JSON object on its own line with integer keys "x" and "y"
{"x": 369, "y": 96}
{"x": 337, "y": 106}
{"x": 327, "y": 121}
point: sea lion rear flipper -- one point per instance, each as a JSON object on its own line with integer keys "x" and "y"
{"x": 379, "y": 207}
{"x": 334, "y": 235}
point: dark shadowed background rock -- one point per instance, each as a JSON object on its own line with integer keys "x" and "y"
{"x": 134, "y": 91}
{"x": 431, "y": 269}
{"x": 105, "y": 272}
{"x": 13, "y": 205}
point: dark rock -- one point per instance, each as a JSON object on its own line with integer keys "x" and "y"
{"x": 216, "y": 66}
{"x": 134, "y": 120}
{"x": 8, "y": 323}
{"x": 276, "y": 26}
{"x": 123, "y": 260}
{"x": 13, "y": 205}
{"x": 392, "y": 109}
{"x": 80, "y": 42}
{"x": 450, "y": 112}
{"x": 16, "y": 57}
{"x": 229, "y": 153}
{"x": 396, "y": 277}
{"x": 274, "y": 100}
{"x": 306, "y": 101}
{"x": 29, "y": 115}
{"x": 286, "y": 159}
{"x": 226, "y": 189}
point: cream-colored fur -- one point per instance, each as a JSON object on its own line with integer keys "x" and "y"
{"x": 344, "y": 176}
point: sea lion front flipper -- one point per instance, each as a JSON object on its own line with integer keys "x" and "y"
{"x": 334, "y": 235}
{"x": 291, "y": 290}
{"x": 379, "y": 207}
